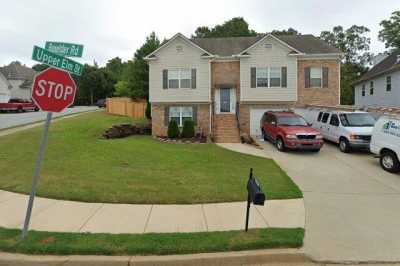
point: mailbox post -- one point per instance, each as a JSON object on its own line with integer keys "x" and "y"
{"x": 255, "y": 195}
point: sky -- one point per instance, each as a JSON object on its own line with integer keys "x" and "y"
{"x": 111, "y": 28}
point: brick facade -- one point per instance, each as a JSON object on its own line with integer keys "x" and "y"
{"x": 159, "y": 127}
{"x": 319, "y": 96}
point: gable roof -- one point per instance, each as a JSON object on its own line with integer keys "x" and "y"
{"x": 178, "y": 35}
{"x": 387, "y": 65}
{"x": 226, "y": 46}
{"x": 230, "y": 46}
{"x": 16, "y": 71}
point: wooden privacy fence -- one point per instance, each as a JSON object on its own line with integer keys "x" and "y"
{"x": 126, "y": 107}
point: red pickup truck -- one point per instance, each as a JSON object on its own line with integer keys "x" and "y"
{"x": 18, "y": 105}
{"x": 290, "y": 131}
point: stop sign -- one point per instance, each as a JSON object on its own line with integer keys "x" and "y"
{"x": 53, "y": 90}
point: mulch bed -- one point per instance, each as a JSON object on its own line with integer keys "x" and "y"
{"x": 125, "y": 130}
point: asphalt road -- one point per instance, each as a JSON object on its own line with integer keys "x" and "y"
{"x": 8, "y": 120}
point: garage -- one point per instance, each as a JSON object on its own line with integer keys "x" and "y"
{"x": 255, "y": 118}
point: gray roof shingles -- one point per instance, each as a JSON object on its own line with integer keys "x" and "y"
{"x": 17, "y": 71}
{"x": 307, "y": 44}
{"x": 387, "y": 65}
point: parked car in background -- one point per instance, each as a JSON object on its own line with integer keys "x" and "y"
{"x": 101, "y": 103}
{"x": 18, "y": 105}
{"x": 385, "y": 142}
{"x": 290, "y": 131}
{"x": 351, "y": 130}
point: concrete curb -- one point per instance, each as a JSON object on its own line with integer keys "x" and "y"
{"x": 278, "y": 256}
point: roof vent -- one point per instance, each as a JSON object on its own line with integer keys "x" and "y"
{"x": 268, "y": 45}
{"x": 179, "y": 48}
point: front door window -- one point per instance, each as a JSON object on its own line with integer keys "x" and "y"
{"x": 225, "y": 98}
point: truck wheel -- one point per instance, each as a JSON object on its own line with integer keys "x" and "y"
{"x": 280, "y": 145}
{"x": 20, "y": 110}
{"x": 390, "y": 162}
{"x": 344, "y": 145}
{"x": 36, "y": 109}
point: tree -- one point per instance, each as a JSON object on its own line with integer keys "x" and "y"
{"x": 95, "y": 83}
{"x": 121, "y": 89}
{"x": 39, "y": 67}
{"x": 355, "y": 46}
{"x": 390, "y": 34}
{"x": 137, "y": 70}
{"x": 235, "y": 27}
{"x": 289, "y": 31}
{"x": 352, "y": 42}
{"x": 115, "y": 68}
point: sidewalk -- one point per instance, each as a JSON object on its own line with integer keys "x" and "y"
{"x": 68, "y": 216}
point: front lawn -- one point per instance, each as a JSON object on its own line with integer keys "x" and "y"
{"x": 80, "y": 165}
{"x": 148, "y": 244}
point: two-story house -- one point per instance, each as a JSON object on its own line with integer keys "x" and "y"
{"x": 380, "y": 86}
{"x": 226, "y": 83}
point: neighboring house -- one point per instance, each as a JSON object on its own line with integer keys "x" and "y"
{"x": 227, "y": 83}
{"x": 21, "y": 78}
{"x": 380, "y": 86}
{"x": 5, "y": 89}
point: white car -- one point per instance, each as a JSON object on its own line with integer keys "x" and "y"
{"x": 351, "y": 130}
{"x": 385, "y": 142}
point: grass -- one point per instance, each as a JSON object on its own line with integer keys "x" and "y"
{"x": 80, "y": 165}
{"x": 148, "y": 244}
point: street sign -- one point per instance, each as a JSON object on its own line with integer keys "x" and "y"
{"x": 65, "y": 49}
{"x": 46, "y": 57}
{"x": 53, "y": 90}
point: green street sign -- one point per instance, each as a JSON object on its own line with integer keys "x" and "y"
{"x": 46, "y": 57}
{"x": 65, "y": 49}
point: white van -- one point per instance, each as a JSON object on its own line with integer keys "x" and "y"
{"x": 350, "y": 130}
{"x": 385, "y": 142}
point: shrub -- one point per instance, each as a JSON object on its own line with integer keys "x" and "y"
{"x": 188, "y": 129}
{"x": 148, "y": 111}
{"x": 173, "y": 129}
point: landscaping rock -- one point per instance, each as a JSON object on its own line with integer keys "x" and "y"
{"x": 125, "y": 130}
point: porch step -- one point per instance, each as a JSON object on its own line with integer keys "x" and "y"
{"x": 225, "y": 129}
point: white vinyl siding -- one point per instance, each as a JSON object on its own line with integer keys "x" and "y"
{"x": 187, "y": 57}
{"x": 273, "y": 57}
{"x": 380, "y": 96}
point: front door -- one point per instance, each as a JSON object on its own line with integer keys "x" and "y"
{"x": 225, "y": 101}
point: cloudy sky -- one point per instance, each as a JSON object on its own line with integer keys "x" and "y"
{"x": 117, "y": 28}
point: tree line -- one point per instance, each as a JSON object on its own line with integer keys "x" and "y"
{"x": 131, "y": 78}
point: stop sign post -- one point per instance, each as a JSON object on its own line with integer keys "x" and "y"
{"x": 53, "y": 90}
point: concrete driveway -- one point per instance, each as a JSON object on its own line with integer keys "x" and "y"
{"x": 8, "y": 120}
{"x": 352, "y": 205}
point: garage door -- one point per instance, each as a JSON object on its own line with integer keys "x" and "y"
{"x": 255, "y": 118}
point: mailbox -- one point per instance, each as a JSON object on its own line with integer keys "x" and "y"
{"x": 255, "y": 193}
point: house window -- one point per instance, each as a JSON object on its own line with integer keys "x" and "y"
{"x": 185, "y": 78}
{"x": 275, "y": 77}
{"x": 179, "y": 78}
{"x": 316, "y": 77}
{"x": 262, "y": 76}
{"x": 173, "y": 79}
{"x": 180, "y": 114}
{"x": 363, "y": 90}
{"x": 388, "y": 83}
{"x": 371, "y": 88}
